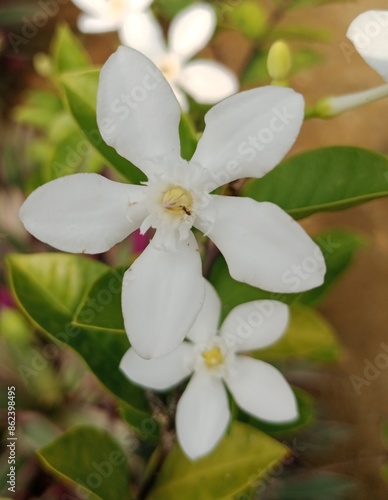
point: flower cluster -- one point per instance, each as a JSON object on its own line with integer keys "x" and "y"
{"x": 164, "y": 296}
{"x": 207, "y": 81}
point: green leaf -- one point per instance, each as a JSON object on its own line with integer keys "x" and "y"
{"x": 317, "y": 486}
{"x": 339, "y": 249}
{"x": 187, "y": 136}
{"x": 308, "y": 335}
{"x": 67, "y": 52}
{"x": 326, "y": 179}
{"x": 242, "y": 457}
{"x": 301, "y": 33}
{"x": 52, "y": 289}
{"x": 90, "y": 459}
{"x": 39, "y": 109}
{"x": 256, "y": 70}
{"x": 81, "y": 93}
{"x": 169, "y": 8}
{"x": 249, "y": 18}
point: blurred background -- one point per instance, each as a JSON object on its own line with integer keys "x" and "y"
{"x": 348, "y": 438}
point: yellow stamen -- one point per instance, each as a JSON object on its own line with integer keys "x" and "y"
{"x": 178, "y": 201}
{"x": 213, "y": 357}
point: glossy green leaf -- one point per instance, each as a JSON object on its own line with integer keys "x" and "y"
{"x": 80, "y": 89}
{"x": 187, "y": 136}
{"x": 52, "y": 289}
{"x": 308, "y": 335}
{"x": 339, "y": 249}
{"x": 67, "y": 52}
{"x": 91, "y": 460}
{"x": 240, "y": 460}
{"x": 325, "y": 179}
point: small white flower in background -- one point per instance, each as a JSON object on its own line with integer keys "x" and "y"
{"x": 369, "y": 34}
{"x": 190, "y": 31}
{"x": 246, "y": 135}
{"x": 101, "y": 16}
{"x": 214, "y": 360}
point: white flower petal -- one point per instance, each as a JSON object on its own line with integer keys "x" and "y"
{"x": 163, "y": 292}
{"x": 247, "y": 134}
{"x": 83, "y": 213}
{"x": 142, "y": 32}
{"x": 139, "y": 5}
{"x": 263, "y": 246}
{"x": 202, "y": 415}
{"x": 181, "y": 97}
{"x": 137, "y": 112}
{"x": 159, "y": 373}
{"x": 261, "y": 390}
{"x": 191, "y": 29}
{"x": 369, "y": 34}
{"x": 207, "y": 320}
{"x": 254, "y": 325}
{"x": 208, "y": 81}
{"x": 90, "y": 24}
{"x": 93, "y": 7}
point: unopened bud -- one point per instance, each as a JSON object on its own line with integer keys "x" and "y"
{"x": 279, "y": 62}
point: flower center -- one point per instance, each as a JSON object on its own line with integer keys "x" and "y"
{"x": 116, "y": 5}
{"x": 177, "y": 201}
{"x": 169, "y": 66}
{"x": 213, "y": 357}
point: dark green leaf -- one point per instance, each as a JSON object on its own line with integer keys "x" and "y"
{"x": 324, "y": 179}
{"x": 187, "y": 136}
{"x": 339, "y": 249}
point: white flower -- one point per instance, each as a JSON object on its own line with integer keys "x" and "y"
{"x": 109, "y": 15}
{"x": 206, "y": 81}
{"x": 258, "y": 388}
{"x": 245, "y": 135}
{"x": 369, "y": 34}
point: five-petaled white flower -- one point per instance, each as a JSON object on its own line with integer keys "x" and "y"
{"x": 206, "y": 81}
{"x": 246, "y": 135}
{"x": 257, "y": 387}
{"x": 101, "y": 16}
